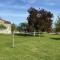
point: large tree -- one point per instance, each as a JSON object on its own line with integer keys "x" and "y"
{"x": 39, "y": 20}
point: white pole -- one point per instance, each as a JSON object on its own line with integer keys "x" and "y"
{"x": 34, "y": 32}
{"x": 13, "y": 39}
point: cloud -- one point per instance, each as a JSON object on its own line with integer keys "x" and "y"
{"x": 29, "y": 1}
{"x": 14, "y": 15}
{"x": 16, "y": 18}
{"x": 51, "y": 3}
{"x": 6, "y": 1}
{"x": 18, "y": 8}
{"x": 15, "y": 7}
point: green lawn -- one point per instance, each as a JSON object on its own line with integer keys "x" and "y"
{"x": 45, "y": 47}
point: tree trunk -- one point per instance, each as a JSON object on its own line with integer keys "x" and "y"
{"x": 13, "y": 41}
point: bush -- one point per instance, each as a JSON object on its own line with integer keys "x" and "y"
{"x": 2, "y": 26}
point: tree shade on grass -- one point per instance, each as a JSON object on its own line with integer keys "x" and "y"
{"x": 47, "y": 47}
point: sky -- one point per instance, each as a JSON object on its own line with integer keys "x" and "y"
{"x": 16, "y": 10}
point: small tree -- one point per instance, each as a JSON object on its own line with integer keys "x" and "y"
{"x": 57, "y": 25}
{"x": 13, "y": 28}
{"x": 22, "y": 27}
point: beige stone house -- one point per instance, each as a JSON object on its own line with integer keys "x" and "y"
{"x": 7, "y": 24}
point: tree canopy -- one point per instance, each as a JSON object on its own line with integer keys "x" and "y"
{"x": 39, "y": 20}
{"x": 13, "y": 28}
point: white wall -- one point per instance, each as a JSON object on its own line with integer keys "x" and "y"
{"x": 7, "y": 30}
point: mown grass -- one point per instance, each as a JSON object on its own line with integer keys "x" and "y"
{"x": 43, "y": 47}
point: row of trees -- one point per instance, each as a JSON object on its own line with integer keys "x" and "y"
{"x": 24, "y": 26}
{"x": 39, "y": 20}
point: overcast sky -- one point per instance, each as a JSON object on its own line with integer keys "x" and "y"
{"x": 16, "y": 10}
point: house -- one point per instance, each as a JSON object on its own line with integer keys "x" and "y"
{"x": 6, "y": 24}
